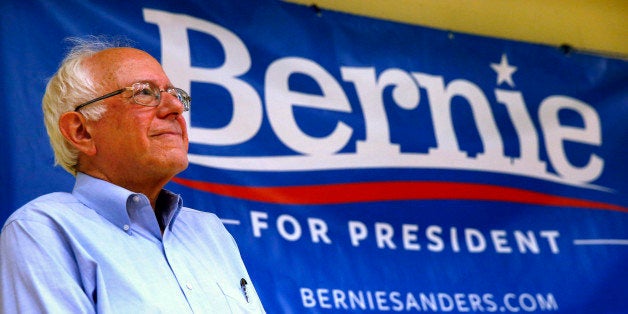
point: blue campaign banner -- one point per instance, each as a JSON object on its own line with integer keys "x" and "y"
{"x": 364, "y": 165}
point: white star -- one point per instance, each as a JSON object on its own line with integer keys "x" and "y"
{"x": 504, "y": 71}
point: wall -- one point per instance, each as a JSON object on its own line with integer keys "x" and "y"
{"x": 600, "y": 26}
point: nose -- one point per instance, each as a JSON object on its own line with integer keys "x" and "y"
{"x": 169, "y": 105}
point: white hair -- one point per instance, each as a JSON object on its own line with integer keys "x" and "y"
{"x": 72, "y": 85}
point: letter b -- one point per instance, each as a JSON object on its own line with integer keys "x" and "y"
{"x": 247, "y": 106}
{"x": 307, "y": 297}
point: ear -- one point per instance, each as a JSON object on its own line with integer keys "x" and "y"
{"x": 73, "y": 126}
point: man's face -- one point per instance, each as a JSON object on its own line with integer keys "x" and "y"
{"x": 134, "y": 141}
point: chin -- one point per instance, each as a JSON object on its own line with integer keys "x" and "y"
{"x": 172, "y": 164}
{"x": 182, "y": 167}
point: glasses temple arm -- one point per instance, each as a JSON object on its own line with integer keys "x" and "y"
{"x": 100, "y": 98}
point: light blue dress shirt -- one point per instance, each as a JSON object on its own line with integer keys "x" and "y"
{"x": 100, "y": 249}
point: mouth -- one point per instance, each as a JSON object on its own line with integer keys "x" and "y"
{"x": 166, "y": 133}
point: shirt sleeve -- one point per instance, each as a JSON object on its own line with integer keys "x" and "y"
{"x": 38, "y": 271}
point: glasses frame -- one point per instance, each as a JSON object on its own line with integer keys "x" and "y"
{"x": 185, "y": 102}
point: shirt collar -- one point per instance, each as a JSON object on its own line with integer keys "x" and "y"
{"x": 110, "y": 201}
{"x": 171, "y": 206}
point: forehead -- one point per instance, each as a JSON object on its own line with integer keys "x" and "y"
{"x": 118, "y": 67}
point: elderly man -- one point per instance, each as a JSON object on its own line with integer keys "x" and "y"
{"x": 119, "y": 242}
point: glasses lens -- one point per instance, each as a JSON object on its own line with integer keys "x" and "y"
{"x": 145, "y": 94}
{"x": 182, "y": 96}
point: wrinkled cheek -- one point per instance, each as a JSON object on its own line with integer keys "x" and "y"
{"x": 184, "y": 131}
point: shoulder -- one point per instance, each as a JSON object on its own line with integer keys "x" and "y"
{"x": 199, "y": 214}
{"x": 40, "y": 225}
{"x": 45, "y": 208}
{"x": 204, "y": 224}
{"x": 201, "y": 217}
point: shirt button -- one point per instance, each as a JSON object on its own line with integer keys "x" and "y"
{"x": 189, "y": 286}
{"x": 126, "y": 227}
{"x": 136, "y": 198}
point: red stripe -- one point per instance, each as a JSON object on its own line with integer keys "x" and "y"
{"x": 390, "y": 191}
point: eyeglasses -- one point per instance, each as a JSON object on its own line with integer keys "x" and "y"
{"x": 146, "y": 94}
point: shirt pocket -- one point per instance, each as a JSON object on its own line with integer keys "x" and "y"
{"x": 237, "y": 300}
